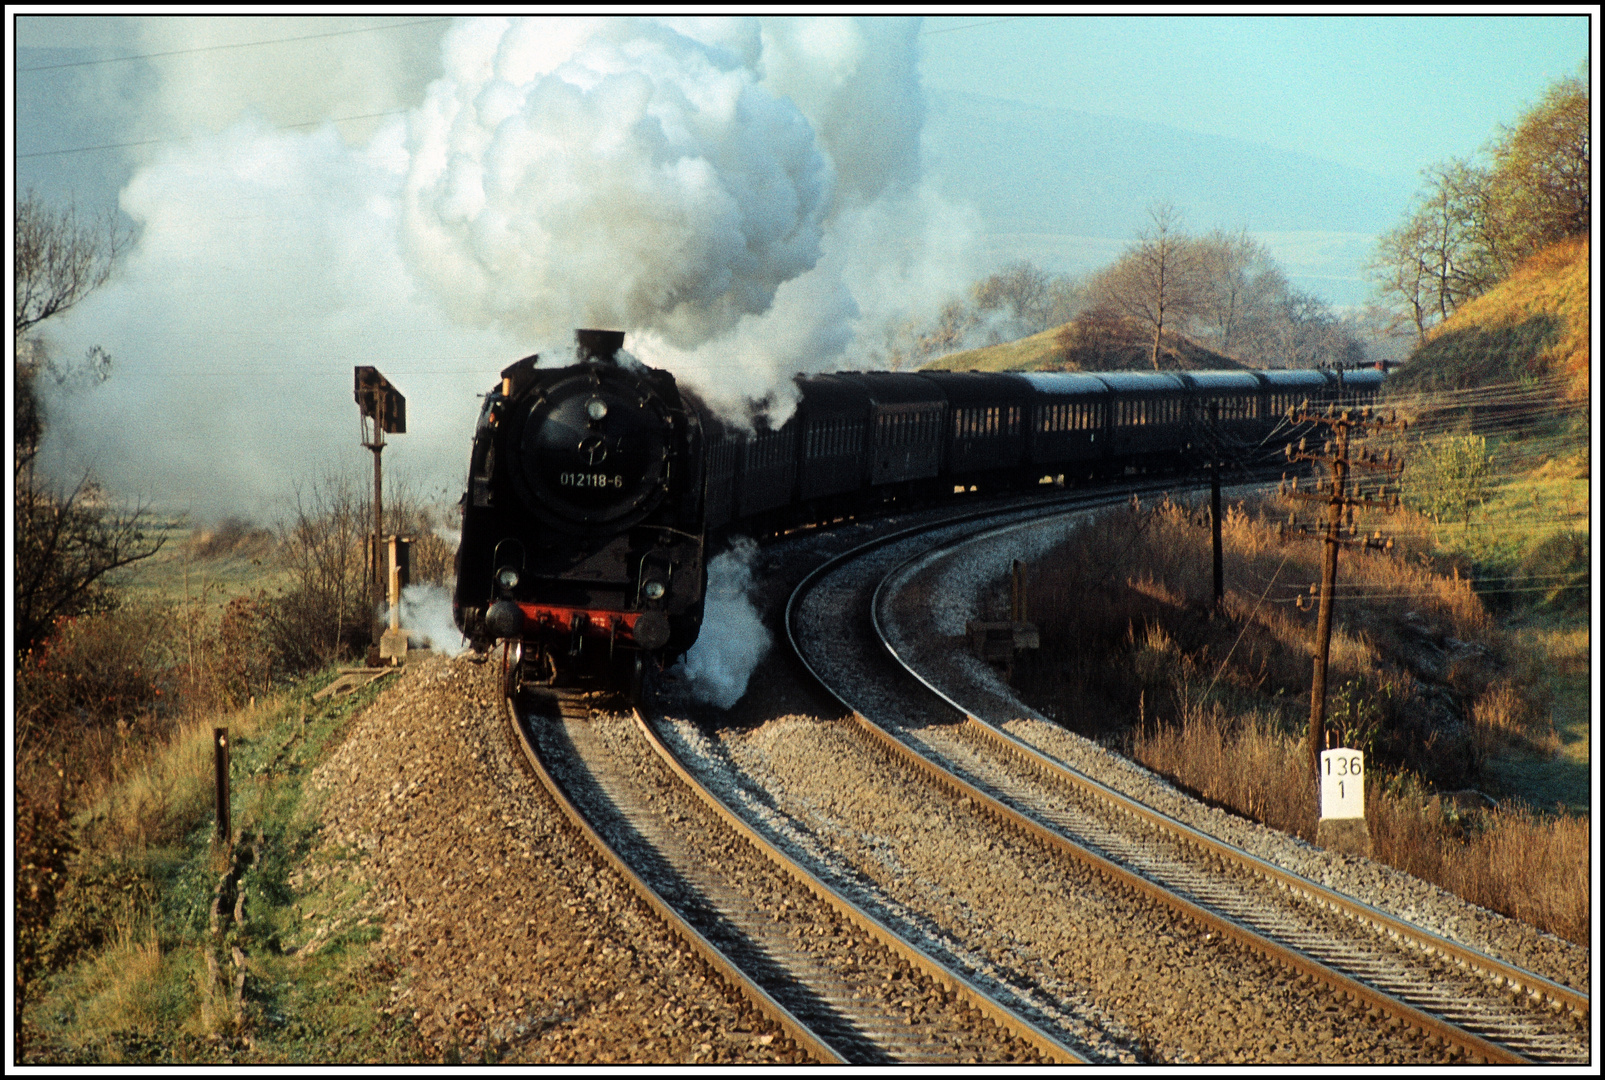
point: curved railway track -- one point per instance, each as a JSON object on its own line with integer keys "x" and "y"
{"x": 1490, "y": 1010}
{"x": 843, "y": 987}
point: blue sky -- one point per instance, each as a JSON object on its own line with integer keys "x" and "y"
{"x": 1390, "y": 94}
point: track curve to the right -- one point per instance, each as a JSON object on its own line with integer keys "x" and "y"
{"x": 1008, "y": 781}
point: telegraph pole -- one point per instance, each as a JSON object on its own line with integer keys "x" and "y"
{"x": 1337, "y": 499}
{"x": 1214, "y": 508}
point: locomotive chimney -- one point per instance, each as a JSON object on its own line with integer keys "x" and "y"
{"x": 599, "y": 346}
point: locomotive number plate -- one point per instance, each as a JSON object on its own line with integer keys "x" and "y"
{"x": 590, "y": 480}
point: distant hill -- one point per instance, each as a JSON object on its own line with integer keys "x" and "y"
{"x": 1043, "y": 352}
{"x": 1070, "y": 189}
{"x": 1535, "y": 323}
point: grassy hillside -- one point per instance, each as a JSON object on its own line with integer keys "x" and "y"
{"x": 1043, "y": 352}
{"x": 1533, "y": 324}
{"x": 1507, "y": 378}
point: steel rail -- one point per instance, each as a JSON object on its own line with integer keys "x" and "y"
{"x": 901, "y": 754}
{"x": 1011, "y": 818}
{"x": 1006, "y": 1018}
{"x": 1503, "y": 974}
{"x": 795, "y": 1029}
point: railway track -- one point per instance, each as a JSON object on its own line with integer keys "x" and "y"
{"x": 840, "y": 984}
{"x": 1490, "y": 1011}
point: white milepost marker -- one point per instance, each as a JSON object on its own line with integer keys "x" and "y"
{"x": 1342, "y": 784}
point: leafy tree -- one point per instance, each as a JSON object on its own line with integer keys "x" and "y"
{"x": 1472, "y": 224}
{"x": 1541, "y": 170}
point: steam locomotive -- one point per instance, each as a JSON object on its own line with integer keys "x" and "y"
{"x": 596, "y": 491}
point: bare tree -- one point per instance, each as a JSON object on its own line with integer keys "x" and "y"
{"x": 324, "y": 613}
{"x": 67, "y": 543}
{"x": 1238, "y": 284}
{"x": 1155, "y": 281}
{"x": 60, "y": 258}
{"x": 68, "y": 539}
{"x": 1029, "y": 298}
{"x": 1399, "y": 271}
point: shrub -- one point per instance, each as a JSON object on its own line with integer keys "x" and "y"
{"x": 1450, "y": 476}
{"x": 95, "y": 670}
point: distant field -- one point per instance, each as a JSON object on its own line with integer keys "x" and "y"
{"x": 187, "y": 566}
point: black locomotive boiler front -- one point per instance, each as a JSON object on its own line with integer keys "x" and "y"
{"x": 582, "y": 543}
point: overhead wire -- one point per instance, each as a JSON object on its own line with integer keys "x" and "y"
{"x": 235, "y": 45}
{"x": 216, "y": 48}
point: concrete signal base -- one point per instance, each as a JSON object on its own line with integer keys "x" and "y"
{"x": 393, "y": 647}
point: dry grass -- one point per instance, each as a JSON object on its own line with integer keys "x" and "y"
{"x": 1220, "y": 704}
{"x": 1398, "y": 628}
{"x": 1235, "y": 763}
{"x": 120, "y": 991}
{"x": 1528, "y": 866}
{"x": 1535, "y": 322}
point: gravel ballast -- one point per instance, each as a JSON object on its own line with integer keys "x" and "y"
{"x": 515, "y": 943}
{"x": 931, "y": 637}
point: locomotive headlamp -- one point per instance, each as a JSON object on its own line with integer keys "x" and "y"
{"x": 507, "y": 577}
{"x": 653, "y": 590}
{"x": 596, "y": 408}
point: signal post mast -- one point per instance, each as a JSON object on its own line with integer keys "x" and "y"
{"x": 383, "y": 411}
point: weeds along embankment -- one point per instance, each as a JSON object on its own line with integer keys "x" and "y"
{"x": 1421, "y": 677}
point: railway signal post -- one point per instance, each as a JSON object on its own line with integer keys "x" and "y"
{"x": 383, "y": 410}
{"x": 1337, "y": 499}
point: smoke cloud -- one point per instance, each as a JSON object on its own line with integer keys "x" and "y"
{"x": 426, "y": 616}
{"x": 734, "y": 638}
{"x": 742, "y": 197}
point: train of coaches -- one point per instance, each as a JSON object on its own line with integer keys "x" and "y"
{"x": 597, "y": 491}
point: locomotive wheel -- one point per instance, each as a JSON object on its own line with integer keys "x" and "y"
{"x": 634, "y": 676}
{"x": 512, "y": 668}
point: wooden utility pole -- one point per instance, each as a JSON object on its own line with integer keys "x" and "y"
{"x": 1214, "y": 508}
{"x": 1337, "y": 499}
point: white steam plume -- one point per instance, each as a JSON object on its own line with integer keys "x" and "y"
{"x": 612, "y": 172}
{"x": 734, "y": 638}
{"x": 741, "y": 197}
{"x": 426, "y": 616}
